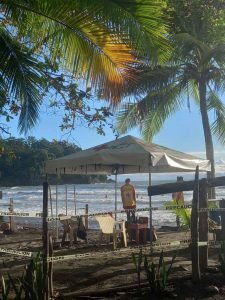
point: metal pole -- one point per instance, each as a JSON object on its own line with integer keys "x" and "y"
{"x": 56, "y": 208}
{"x": 150, "y": 201}
{"x": 66, "y": 199}
{"x": 12, "y": 223}
{"x": 115, "y": 195}
{"x": 45, "y": 241}
{"x": 50, "y": 194}
{"x": 86, "y": 217}
{"x": 150, "y": 197}
{"x": 74, "y": 198}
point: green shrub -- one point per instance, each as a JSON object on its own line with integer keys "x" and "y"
{"x": 137, "y": 260}
{"x": 184, "y": 214}
{"x": 33, "y": 280}
{"x": 5, "y": 289}
{"x": 29, "y": 286}
{"x": 157, "y": 275}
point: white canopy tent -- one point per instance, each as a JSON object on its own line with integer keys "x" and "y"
{"x": 126, "y": 155}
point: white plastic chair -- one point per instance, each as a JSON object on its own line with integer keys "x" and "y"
{"x": 108, "y": 226}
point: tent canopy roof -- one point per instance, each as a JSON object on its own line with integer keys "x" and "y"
{"x": 126, "y": 155}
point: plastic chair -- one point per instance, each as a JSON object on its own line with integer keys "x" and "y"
{"x": 108, "y": 226}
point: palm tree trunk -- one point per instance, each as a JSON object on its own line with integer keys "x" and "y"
{"x": 207, "y": 132}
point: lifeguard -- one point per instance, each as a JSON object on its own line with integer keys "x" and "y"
{"x": 129, "y": 199}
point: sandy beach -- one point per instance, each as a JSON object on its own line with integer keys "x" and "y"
{"x": 104, "y": 269}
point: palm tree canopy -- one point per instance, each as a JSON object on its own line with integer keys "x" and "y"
{"x": 198, "y": 54}
{"x": 98, "y": 40}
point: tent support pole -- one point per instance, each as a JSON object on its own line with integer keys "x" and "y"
{"x": 75, "y": 200}
{"x": 115, "y": 195}
{"x": 45, "y": 239}
{"x": 66, "y": 200}
{"x": 150, "y": 197}
{"x": 56, "y": 208}
{"x": 150, "y": 201}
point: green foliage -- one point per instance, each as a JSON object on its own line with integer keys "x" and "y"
{"x": 183, "y": 213}
{"x": 157, "y": 275}
{"x": 29, "y": 286}
{"x": 21, "y": 77}
{"x": 78, "y": 107}
{"x": 205, "y": 19}
{"x": 22, "y": 161}
{"x": 33, "y": 282}
{"x": 137, "y": 260}
{"x": 5, "y": 290}
{"x": 195, "y": 72}
{"x": 96, "y": 41}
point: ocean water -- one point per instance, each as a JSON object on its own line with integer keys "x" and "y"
{"x": 100, "y": 197}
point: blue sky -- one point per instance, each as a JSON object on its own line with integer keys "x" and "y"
{"x": 182, "y": 132}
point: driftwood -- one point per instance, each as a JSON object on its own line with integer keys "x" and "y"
{"x": 194, "y": 230}
{"x": 182, "y": 186}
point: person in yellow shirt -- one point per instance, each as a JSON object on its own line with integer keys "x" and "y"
{"x": 179, "y": 198}
{"x": 128, "y": 195}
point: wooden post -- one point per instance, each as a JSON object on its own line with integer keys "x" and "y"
{"x": 194, "y": 230}
{"x": 51, "y": 267}
{"x": 86, "y": 217}
{"x": 11, "y": 219}
{"x": 66, "y": 200}
{"x": 45, "y": 237}
{"x": 222, "y": 213}
{"x": 222, "y": 235}
{"x": 203, "y": 224}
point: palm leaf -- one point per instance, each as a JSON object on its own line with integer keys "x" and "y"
{"x": 218, "y": 126}
{"x": 99, "y": 40}
{"x": 22, "y": 76}
{"x": 151, "y": 112}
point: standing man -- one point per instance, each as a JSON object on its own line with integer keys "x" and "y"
{"x": 129, "y": 200}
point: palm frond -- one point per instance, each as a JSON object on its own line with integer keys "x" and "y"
{"x": 217, "y": 54}
{"x": 160, "y": 108}
{"x": 187, "y": 40}
{"x": 99, "y": 40}
{"x": 3, "y": 92}
{"x": 152, "y": 79}
{"x": 150, "y": 113}
{"x": 22, "y": 76}
{"x": 153, "y": 30}
{"x": 128, "y": 118}
{"x": 218, "y": 126}
{"x": 194, "y": 92}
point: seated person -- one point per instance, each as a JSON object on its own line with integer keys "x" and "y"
{"x": 69, "y": 227}
{"x": 74, "y": 228}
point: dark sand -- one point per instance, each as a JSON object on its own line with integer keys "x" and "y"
{"x": 93, "y": 274}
